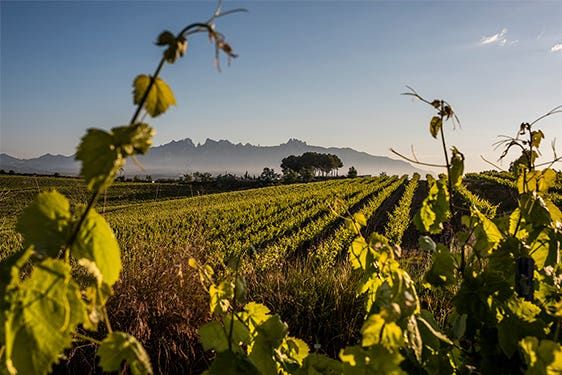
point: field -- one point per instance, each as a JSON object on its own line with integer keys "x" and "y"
{"x": 290, "y": 237}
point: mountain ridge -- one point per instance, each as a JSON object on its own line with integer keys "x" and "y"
{"x": 215, "y": 156}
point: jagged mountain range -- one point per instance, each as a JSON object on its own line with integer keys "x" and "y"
{"x": 218, "y": 157}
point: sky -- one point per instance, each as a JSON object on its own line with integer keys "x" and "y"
{"x": 328, "y": 73}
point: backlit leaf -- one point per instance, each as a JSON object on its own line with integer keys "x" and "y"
{"x": 442, "y": 271}
{"x": 160, "y": 97}
{"x": 44, "y": 224}
{"x": 119, "y": 347}
{"x": 103, "y": 153}
{"x": 435, "y": 207}
{"x": 100, "y": 158}
{"x": 542, "y": 358}
{"x": 457, "y": 166}
{"x": 540, "y": 181}
{"x": 213, "y": 337}
{"x": 318, "y": 364}
{"x": 270, "y": 336}
{"x": 255, "y": 313}
{"x": 134, "y": 139}
{"x": 376, "y": 330}
{"x": 45, "y": 310}
{"x": 487, "y": 234}
{"x": 536, "y": 137}
{"x": 97, "y": 243}
{"x": 435, "y": 126}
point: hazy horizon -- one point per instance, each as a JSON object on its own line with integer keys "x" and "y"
{"x": 328, "y": 73}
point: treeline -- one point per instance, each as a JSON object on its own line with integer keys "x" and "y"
{"x": 311, "y": 164}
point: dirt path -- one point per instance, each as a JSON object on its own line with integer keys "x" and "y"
{"x": 410, "y": 237}
{"x": 379, "y": 218}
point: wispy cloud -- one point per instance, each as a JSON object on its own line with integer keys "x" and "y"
{"x": 540, "y": 35}
{"x": 499, "y": 38}
{"x": 556, "y": 48}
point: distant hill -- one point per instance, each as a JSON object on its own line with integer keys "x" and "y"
{"x": 179, "y": 157}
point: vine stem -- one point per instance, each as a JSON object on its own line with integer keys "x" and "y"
{"x": 449, "y": 181}
{"x": 417, "y": 161}
{"x": 96, "y": 193}
{"x": 87, "y": 338}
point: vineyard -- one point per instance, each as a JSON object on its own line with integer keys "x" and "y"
{"x": 272, "y": 223}
{"x": 450, "y": 273}
{"x": 293, "y": 229}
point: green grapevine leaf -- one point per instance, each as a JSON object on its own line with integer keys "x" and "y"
{"x": 221, "y": 295}
{"x": 457, "y": 166}
{"x": 118, "y": 347}
{"x": 524, "y": 310}
{"x": 291, "y": 354}
{"x": 255, "y": 314}
{"x": 536, "y": 137}
{"x": 97, "y": 243}
{"x": 160, "y": 97}
{"x": 459, "y": 326}
{"x": 165, "y": 38}
{"x": 95, "y": 298}
{"x": 354, "y": 357}
{"x": 550, "y": 355}
{"x": 539, "y": 181}
{"x": 359, "y": 253}
{"x": 44, "y": 224}
{"x": 270, "y": 335}
{"x": 45, "y": 310}
{"x": 517, "y": 225}
{"x": 318, "y": 364}
{"x": 376, "y": 360}
{"x": 176, "y": 46}
{"x": 435, "y": 126}
{"x": 360, "y": 219}
{"x": 103, "y": 153}
{"x": 487, "y": 234}
{"x": 133, "y": 139}
{"x": 554, "y": 212}
{"x": 229, "y": 363}
{"x": 213, "y": 337}
{"x": 545, "y": 249}
{"x": 435, "y": 207}
{"x": 512, "y": 329}
{"x": 376, "y": 330}
{"x": 297, "y": 349}
{"x": 240, "y": 333}
{"x": 442, "y": 271}
{"x": 100, "y": 158}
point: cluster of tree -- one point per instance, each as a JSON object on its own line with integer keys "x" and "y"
{"x": 311, "y": 164}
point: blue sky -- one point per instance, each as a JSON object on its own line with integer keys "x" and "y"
{"x": 329, "y": 73}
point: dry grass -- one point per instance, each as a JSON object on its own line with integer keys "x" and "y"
{"x": 320, "y": 307}
{"x": 437, "y": 301}
{"x": 160, "y": 301}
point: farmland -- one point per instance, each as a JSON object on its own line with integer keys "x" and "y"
{"x": 291, "y": 239}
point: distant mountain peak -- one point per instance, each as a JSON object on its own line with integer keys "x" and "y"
{"x": 215, "y": 156}
{"x": 296, "y": 142}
